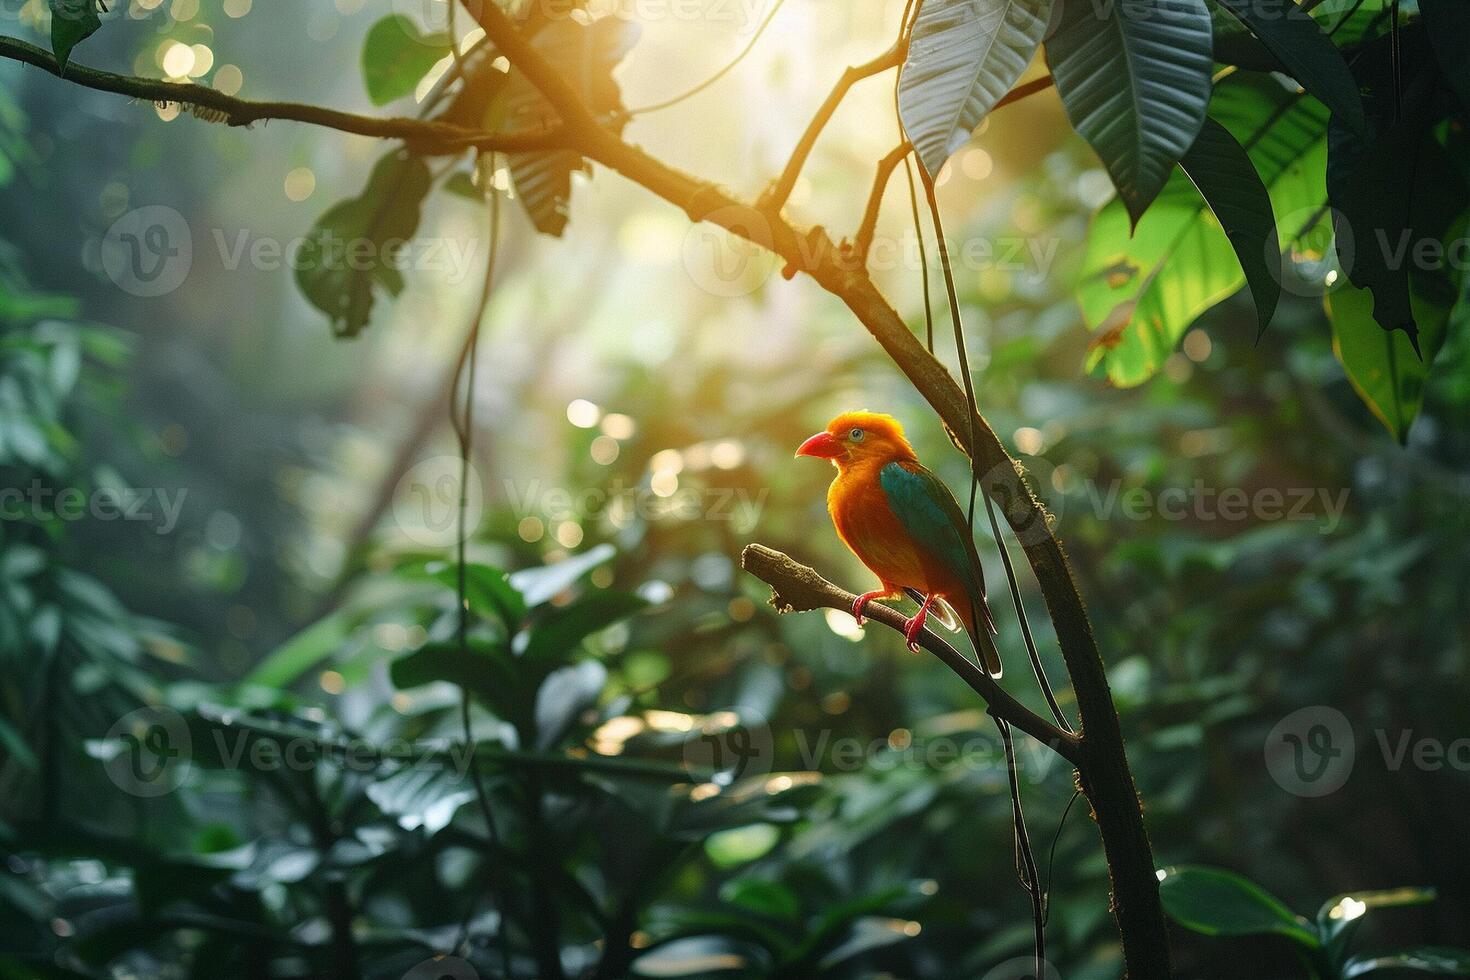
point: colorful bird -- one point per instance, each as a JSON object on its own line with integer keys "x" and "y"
{"x": 904, "y": 524}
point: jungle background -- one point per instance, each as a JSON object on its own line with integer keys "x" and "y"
{"x": 305, "y": 588}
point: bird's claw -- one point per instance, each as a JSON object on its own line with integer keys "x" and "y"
{"x": 911, "y": 631}
{"x": 860, "y": 602}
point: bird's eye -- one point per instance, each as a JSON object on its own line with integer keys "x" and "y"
{"x": 856, "y": 435}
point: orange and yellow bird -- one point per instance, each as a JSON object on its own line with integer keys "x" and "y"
{"x": 904, "y": 524}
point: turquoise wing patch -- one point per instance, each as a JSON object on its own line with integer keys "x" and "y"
{"x": 932, "y": 517}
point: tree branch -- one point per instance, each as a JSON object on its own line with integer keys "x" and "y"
{"x": 776, "y": 195}
{"x": 863, "y": 240}
{"x": 424, "y": 136}
{"x": 799, "y": 588}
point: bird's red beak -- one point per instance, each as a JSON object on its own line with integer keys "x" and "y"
{"x": 823, "y": 445}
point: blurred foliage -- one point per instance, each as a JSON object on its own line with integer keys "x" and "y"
{"x": 679, "y": 782}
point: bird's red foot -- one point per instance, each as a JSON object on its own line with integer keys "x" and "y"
{"x": 913, "y": 627}
{"x": 863, "y": 600}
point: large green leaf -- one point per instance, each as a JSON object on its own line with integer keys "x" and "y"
{"x": 1142, "y": 291}
{"x": 585, "y": 55}
{"x": 1384, "y": 368}
{"x": 1448, "y": 22}
{"x": 1306, "y": 51}
{"x": 1218, "y": 903}
{"x": 72, "y": 22}
{"x": 396, "y": 57}
{"x": 1135, "y": 80}
{"x": 1222, "y": 172}
{"x": 1443, "y": 961}
{"x": 964, "y": 55}
{"x": 1340, "y": 914}
{"x": 561, "y": 631}
{"x": 347, "y": 255}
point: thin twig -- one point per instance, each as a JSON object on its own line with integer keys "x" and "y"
{"x": 863, "y": 240}
{"x": 424, "y": 135}
{"x": 729, "y": 66}
{"x": 799, "y": 588}
{"x": 776, "y": 195}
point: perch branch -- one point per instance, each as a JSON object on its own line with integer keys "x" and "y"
{"x": 799, "y": 588}
{"x": 425, "y": 135}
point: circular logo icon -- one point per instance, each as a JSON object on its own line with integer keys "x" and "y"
{"x": 1311, "y": 751}
{"x": 729, "y": 263}
{"x": 148, "y": 251}
{"x": 426, "y": 503}
{"x": 152, "y": 752}
{"x": 434, "y": 16}
{"x": 1318, "y": 246}
{"x": 442, "y": 968}
{"x": 730, "y": 746}
{"x": 1014, "y": 505}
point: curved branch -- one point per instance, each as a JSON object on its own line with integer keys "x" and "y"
{"x": 775, "y": 196}
{"x": 427, "y": 136}
{"x": 799, "y": 588}
{"x": 863, "y": 240}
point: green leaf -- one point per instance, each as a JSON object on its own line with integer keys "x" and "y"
{"x": 486, "y": 671}
{"x": 541, "y": 585}
{"x": 1340, "y": 915}
{"x": 396, "y": 57}
{"x": 1135, "y": 80}
{"x": 462, "y": 184}
{"x": 1382, "y": 365}
{"x": 1397, "y": 191}
{"x": 283, "y": 665}
{"x": 768, "y": 898}
{"x": 423, "y": 795}
{"x": 964, "y": 55}
{"x": 1142, "y": 291}
{"x": 349, "y": 254}
{"x": 564, "y": 695}
{"x": 562, "y": 630}
{"x": 1307, "y": 53}
{"x": 1223, "y": 174}
{"x": 488, "y": 591}
{"x": 1218, "y": 903}
{"x": 584, "y": 55}
{"x": 1444, "y": 961}
{"x": 72, "y": 22}
{"x": 1448, "y": 24}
